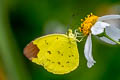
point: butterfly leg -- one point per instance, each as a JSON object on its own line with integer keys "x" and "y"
{"x": 80, "y": 39}
{"x": 76, "y": 33}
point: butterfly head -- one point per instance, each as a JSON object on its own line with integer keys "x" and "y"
{"x": 70, "y": 34}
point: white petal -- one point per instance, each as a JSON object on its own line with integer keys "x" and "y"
{"x": 88, "y": 52}
{"x": 113, "y": 22}
{"x": 113, "y": 32}
{"x": 107, "y": 40}
{"x": 108, "y": 17}
{"x": 98, "y": 27}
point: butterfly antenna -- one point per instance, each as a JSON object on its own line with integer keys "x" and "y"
{"x": 75, "y": 15}
{"x": 70, "y": 22}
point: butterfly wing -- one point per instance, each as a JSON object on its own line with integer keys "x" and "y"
{"x": 57, "y": 53}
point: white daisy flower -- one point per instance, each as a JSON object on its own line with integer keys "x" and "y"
{"x": 94, "y": 25}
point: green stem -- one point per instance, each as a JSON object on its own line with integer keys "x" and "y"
{"x": 111, "y": 39}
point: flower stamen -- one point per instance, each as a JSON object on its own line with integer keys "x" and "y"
{"x": 86, "y": 24}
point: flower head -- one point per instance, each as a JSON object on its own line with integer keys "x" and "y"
{"x": 96, "y": 25}
{"x": 88, "y": 23}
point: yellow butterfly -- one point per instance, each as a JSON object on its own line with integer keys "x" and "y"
{"x": 57, "y": 53}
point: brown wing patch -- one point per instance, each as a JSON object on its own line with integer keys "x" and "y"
{"x": 31, "y": 51}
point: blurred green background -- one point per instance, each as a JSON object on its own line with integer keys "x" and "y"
{"x": 21, "y": 21}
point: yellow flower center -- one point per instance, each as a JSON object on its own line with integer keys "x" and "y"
{"x": 87, "y": 24}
